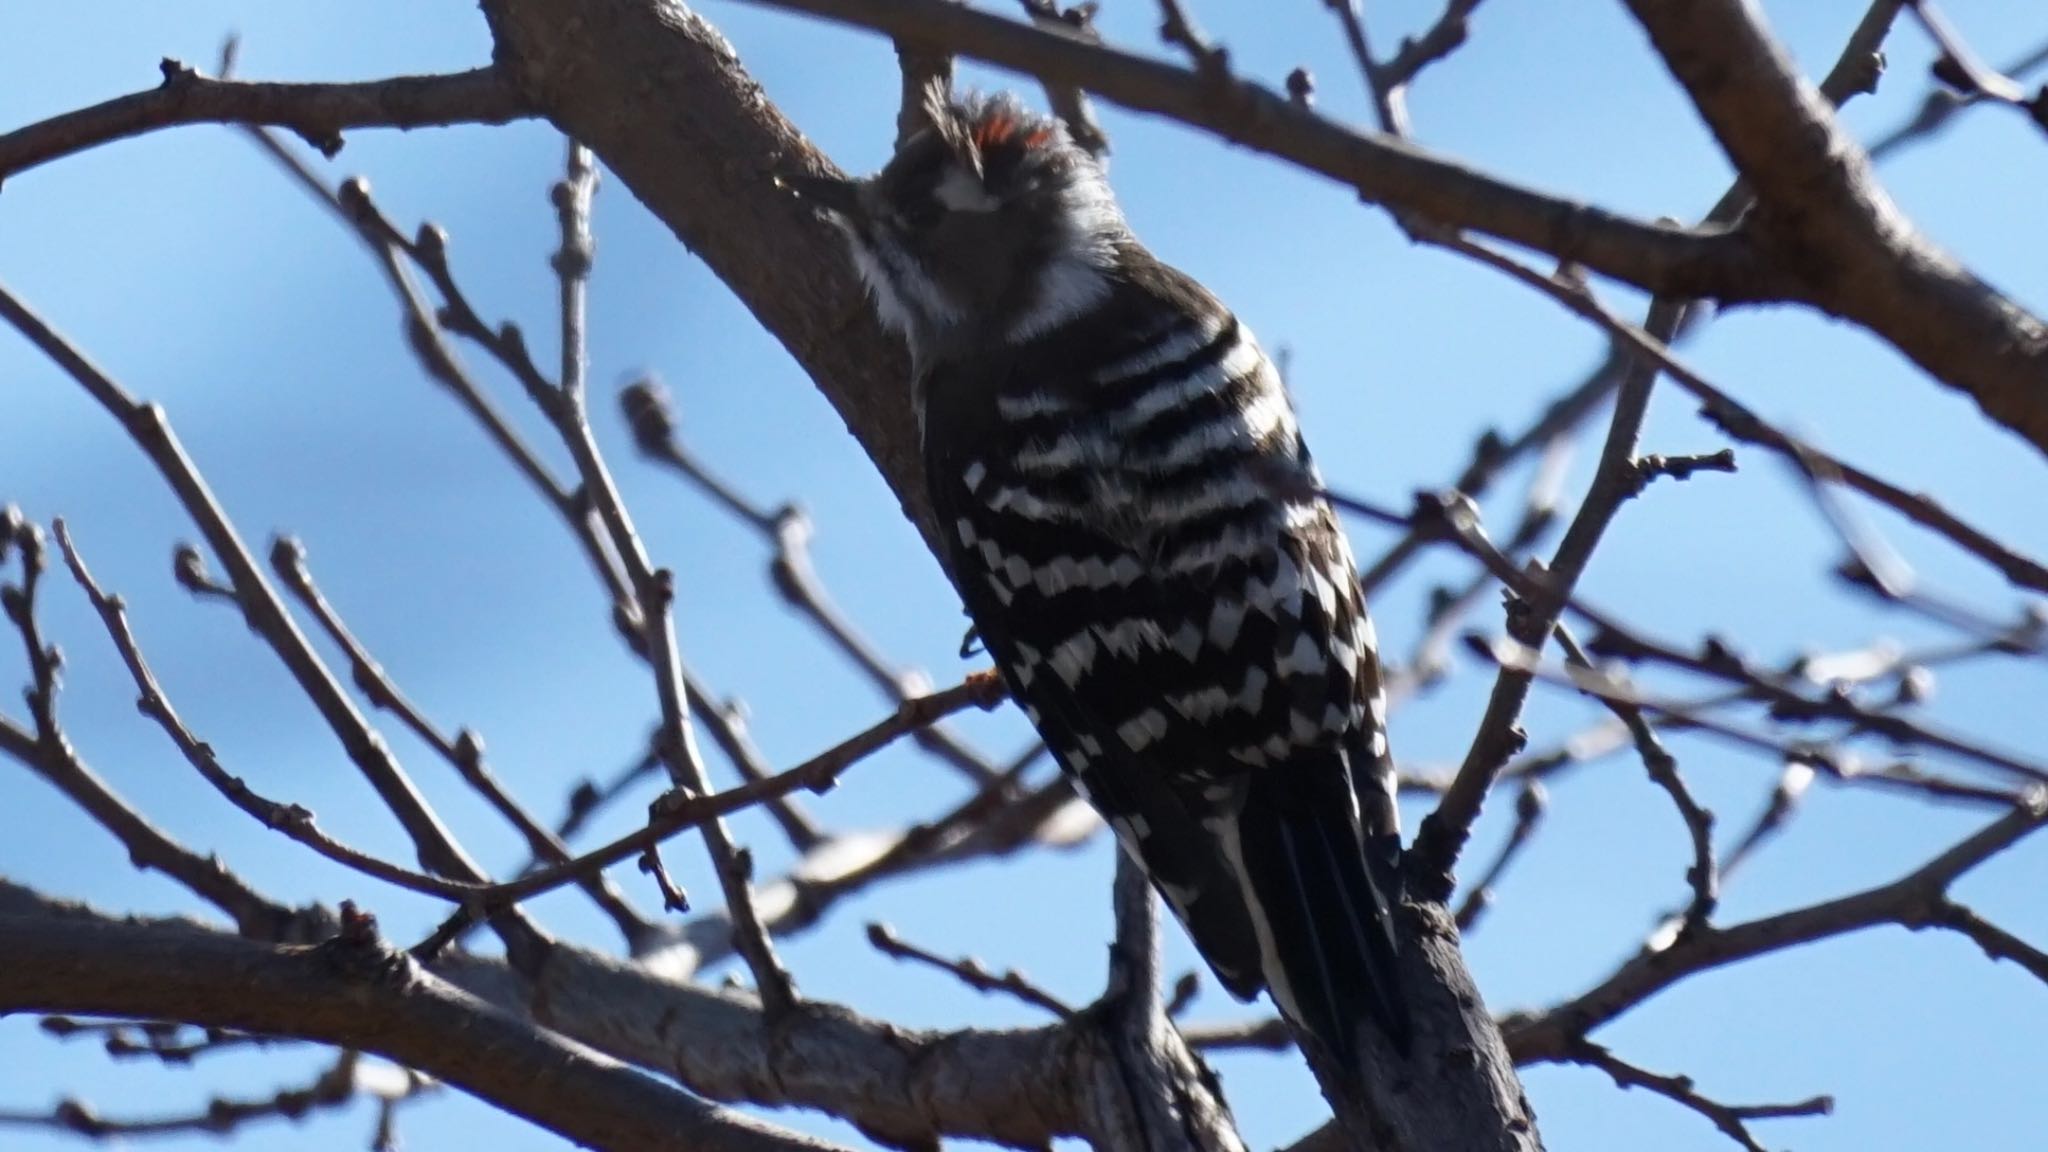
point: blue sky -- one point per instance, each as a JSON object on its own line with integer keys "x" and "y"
{"x": 201, "y": 279}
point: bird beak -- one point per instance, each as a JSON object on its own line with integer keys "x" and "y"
{"x": 833, "y": 194}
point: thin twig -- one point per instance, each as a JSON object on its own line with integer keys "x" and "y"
{"x": 334, "y": 1087}
{"x": 1960, "y": 68}
{"x": 265, "y": 613}
{"x": 787, "y": 530}
{"x": 1068, "y": 101}
{"x": 464, "y": 751}
{"x": 1917, "y": 900}
{"x": 1731, "y": 1119}
{"x": 679, "y": 810}
{"x": 1704, "y": 877}
{"x": 164, "y": 1041}
{"x": 1530, "y": 804}
{"x": 50, "y": 754}
{"x": 294, "y": 821}
{"x": 1443, "y": 37}
{"x": 970, "y": 972}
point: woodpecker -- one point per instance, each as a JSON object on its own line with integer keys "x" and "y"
{"x": 1132, "y": 519}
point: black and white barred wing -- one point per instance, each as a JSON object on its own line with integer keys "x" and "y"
{"x": 1048, "y": 602}
{"x": 1189, "y": 638}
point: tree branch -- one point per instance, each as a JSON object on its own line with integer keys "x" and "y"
{"x": 316, "y": 112}
{"x": 352, "y": 991}
{"x": 1825, "y": 216}
{"x": 1917, "y": 900}
{"x": 265, "y": 613}
{"x": 1656, "y": 257}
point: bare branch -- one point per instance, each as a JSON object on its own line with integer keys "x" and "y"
{"x": 1530, "y": 804}
{"x": 1939, "y": 107}
{"x": 679, "y": 810}
{"x": 161, "y": 1040}
{"x": 1917, "y": 900}
{"x": 294, "y": 821}
{"x": 316, "y": 112}
{"x": 49, "y": 754}
{"x": 148, "y": 426}
{"x": 1961, "y": 69}
{"x": 339, "y": 1084}
{"x": 787, "y": 530}
{"x": 1443, "y": 37}
{"x": 1657, "y": 257}
{"x": 353, "y": 991}
{"x": 464, "y": 752}
{"x": 1068, "y": 102}
{"x": 1731, "y": 1119}
{"x": 1703, "y": 877}
{"x": 1824, "y": 212}
{"x": 969, "y": 971}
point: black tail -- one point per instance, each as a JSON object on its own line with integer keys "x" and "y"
{"x": 1327, "y": 899}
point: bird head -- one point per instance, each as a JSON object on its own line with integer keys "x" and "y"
{"x": 988, "y": 226}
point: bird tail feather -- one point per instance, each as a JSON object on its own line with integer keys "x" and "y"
{"x": 1326, "y": 898}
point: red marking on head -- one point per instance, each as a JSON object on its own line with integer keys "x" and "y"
{"x": 994, "y": 129}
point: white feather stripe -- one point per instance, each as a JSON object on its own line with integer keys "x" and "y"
{"x": 1032, "y": 506}
{"x": 1181, "y": 344}
{"x": 1280, "y": 596}
{"x": 1246, "y": 430}
{"x": 1224, "y": 621}
{"x": 1072, "y": 658}
{"x": 1231, "y": 838}
{"x": 1242, "y": 357}
{"x": 1203, "y": 705}
{"x": 1131, "y": 637}
{"x": 1029, "y": 404}
{"x": 1069, "y": 450}
{"x": 1234, "y": 542}
{"x": 1140, "y": 731}
{"x": 1367, "y": 638}
{"x": 1268, "y": 413}
{"x": 1057, "y": 575}
{"x": 1325, "y": 593}
{"x": 1251, "y": 695}
{"x": 1305, "y": 658}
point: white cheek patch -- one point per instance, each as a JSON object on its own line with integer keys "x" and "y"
{"x": 961, "y": 192}
{"x": 907, "y": 301}
{"x": 888, "y": 305}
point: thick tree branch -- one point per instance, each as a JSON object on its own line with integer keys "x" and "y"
{"x": 1824, "y": 215}
{"x": 317, "y": 112}
{"x": 1385, "y": 170}
{"x": 355, "y": 992}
